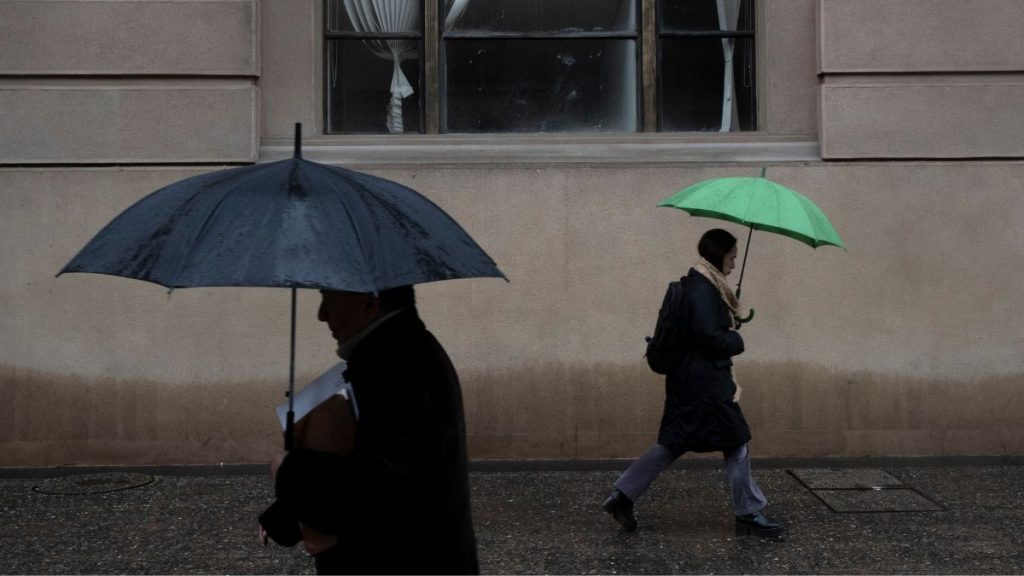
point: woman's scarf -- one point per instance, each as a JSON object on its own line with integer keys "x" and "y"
{"x": 712, "y": 273}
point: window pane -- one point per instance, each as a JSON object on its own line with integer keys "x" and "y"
{"x": 364, "y": 16}
{"x": 688, "y": 15}
{"x": 580, "y": 85}
{"x": 693, "y": 85}
{"x": 541, "y": 15}
{"x": 359, "y": 93}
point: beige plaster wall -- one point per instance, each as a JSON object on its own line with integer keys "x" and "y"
{"x": 926, "y": 117}
{"x": 153, "y": 37}
{"x": 787, "y": 76}
{"x": 921, "y": 35}
{"x": 128, "y": 81}
{"x": 291, "y": 82}
{"x": 921, "y": 78}
{"x": 114, "y": 121}
{"x": 907, "y": 344}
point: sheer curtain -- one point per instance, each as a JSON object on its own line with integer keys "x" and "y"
{"x": 382, "y": 16}
{"x": 389, "y": 16}
{"x": 454, "y": 10}
{"x": 728, "y": 19}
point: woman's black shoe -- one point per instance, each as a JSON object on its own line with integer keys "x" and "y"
{"x": 621, "y": 509}
{"x": 758, "y": 524}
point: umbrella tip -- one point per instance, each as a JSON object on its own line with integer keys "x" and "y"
{"x": 298, "y": 140}
{"x": 764, "y": 169}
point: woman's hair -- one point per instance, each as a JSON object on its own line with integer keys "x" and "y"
{"x": 714, "y": 245}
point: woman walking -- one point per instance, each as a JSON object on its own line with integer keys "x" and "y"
{"x": 702, "y": 413}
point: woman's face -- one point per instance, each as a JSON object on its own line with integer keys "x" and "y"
{"x": 729, "y": 261}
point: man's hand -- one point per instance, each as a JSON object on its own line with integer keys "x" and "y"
{"x": 316, "y": 542}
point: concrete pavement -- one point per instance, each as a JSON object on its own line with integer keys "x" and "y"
{"x": 885, "y": 516}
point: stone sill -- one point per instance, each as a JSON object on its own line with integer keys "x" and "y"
{"x": 547, "y": 149}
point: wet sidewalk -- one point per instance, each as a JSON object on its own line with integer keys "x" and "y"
{"x": 886, "y": 516}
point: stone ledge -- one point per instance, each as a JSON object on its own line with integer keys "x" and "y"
{"x": 543, "y": 150}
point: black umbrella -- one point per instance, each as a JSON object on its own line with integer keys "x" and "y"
{"x": 291, "y": 223}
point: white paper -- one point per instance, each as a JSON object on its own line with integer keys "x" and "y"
{"x": 326, "y": 385}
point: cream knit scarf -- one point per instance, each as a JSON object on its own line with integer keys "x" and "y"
{"x": 712, "y": 273}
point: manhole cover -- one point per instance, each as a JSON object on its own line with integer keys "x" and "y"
{"x": 897, "y": 500}
{"x": 863, "y": 490}
{"x": 92, "y": 483}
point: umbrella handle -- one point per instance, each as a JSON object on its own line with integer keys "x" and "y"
{"x": 745, "y": 320}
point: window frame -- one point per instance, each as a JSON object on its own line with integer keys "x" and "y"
{"x": 432, "y": 66}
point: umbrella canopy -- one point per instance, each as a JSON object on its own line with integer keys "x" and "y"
{"x": 291, "y": 223}
{"x": 760, "y": 204}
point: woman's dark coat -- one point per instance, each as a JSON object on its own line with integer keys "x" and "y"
{"x": 399, "y": 503}
{"x": 700, "y": 415}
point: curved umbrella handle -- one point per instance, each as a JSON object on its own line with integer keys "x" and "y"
{"x": 747, "y": 319}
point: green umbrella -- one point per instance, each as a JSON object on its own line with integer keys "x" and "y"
{"x": 759, "y": 204}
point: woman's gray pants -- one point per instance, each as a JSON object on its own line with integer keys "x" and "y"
{"x": 747, "y": 497}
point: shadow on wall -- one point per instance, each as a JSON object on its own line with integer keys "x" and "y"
{"x": 551, "y": 410}
{"x": 794, "y": 410}
{"x": 55, "y": 420}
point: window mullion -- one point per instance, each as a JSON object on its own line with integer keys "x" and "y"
{"x": 431, "y": 65}
{"x": 649, "y": 66}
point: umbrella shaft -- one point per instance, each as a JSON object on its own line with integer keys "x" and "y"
{"x": 289, "y": 426}
{"x": 743, "y": 267}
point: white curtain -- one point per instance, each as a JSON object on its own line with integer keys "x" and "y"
{"x": 395, "y": 16}
{"x": 728, "y": 19}
{"x": 389, "y": 16}
{"x": 454, "y": 9}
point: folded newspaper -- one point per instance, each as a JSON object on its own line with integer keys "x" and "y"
{"x": 330, "y": 383}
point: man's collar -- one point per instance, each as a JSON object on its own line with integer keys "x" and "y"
{"x": 346, "y": 348}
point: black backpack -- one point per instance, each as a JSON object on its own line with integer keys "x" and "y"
{"x": 665, "y": 349}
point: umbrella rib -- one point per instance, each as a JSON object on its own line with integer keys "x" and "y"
{"x": 200, "y": 234}
{"x": 356, "y": 230}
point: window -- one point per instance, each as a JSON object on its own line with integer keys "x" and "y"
{"x": 706, "y": 53}
{"x": 537, "y": 66}
{"x": 372, "y": 49}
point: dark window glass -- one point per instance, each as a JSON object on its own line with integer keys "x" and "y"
{"x": 548, "y": 85}
{"x": 678, "y": 15}
{"x": 693, "y": 86}
{"x": 359, "y": 94}
{"x": 540, "y": 66}
{"x": 542, "y": 16}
